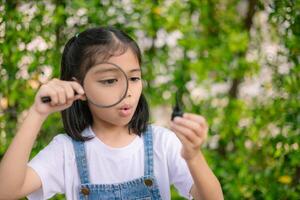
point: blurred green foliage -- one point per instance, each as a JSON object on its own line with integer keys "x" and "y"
{"x": 237, "y": 63}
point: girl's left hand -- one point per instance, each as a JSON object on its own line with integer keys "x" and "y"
{"x": 191, "y": 129}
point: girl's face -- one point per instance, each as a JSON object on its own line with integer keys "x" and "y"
{"x": 122, "y": 113}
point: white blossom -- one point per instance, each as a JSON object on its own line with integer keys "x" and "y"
{"x": 248, "y": 144}
{"x": 37, "y": 44}
{"x": 160, "y": 40}
{"x": 213, "y": 142}
{"x": 172, "y": 38}
{"x": 284, "y": 68}
{"x": 46, "y": 72}
{"x": 219, "y": 88}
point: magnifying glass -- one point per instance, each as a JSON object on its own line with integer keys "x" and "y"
{"x": 105, "y": 85}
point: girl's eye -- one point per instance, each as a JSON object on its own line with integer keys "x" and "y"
{"x": 108, "y": 81}
{"x": 135, "y": 78}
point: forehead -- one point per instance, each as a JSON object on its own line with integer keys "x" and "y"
{"x": 126, "y": 61}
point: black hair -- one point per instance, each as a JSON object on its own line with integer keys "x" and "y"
{"x": 82, "y": 52}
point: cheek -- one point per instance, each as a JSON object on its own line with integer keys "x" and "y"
{"x": 107, "y": 115}
{"x": 138, "y": 89}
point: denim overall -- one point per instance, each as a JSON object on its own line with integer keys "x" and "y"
{"x": 143, "y": 188}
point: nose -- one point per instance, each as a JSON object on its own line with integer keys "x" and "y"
{"x": 128, "y": 93}
{"x": 129, "y": 89}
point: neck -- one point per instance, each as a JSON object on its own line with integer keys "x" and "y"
{"x": 109, "y": 130}
{"x": 114, "y": 136}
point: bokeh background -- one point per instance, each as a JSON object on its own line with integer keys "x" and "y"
{"x": 236, "y": 62}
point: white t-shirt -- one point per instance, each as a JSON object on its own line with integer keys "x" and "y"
{"x": 56, "y": 164}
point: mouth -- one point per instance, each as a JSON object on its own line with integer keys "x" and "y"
{"x": 125, "y": 107}
{"x": 125, "y": 110}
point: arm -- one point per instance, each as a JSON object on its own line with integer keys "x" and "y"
{"x": 17, "y": 179}
{"x": 192, "y": 131}
{"x": 206, "y": 185}
{"x": 14, "y": 173}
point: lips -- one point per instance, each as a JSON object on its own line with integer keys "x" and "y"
{"x": 125, "y": 107}
{"x": 125, "y": 110}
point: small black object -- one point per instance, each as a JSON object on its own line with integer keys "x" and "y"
{"x": 47, "y": 99}
{"x": 177, "y": 110}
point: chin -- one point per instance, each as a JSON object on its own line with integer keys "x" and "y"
{"x": 122, "y": 122}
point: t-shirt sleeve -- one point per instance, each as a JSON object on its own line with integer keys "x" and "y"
{"x": 179, "y": 173}
{"x": 49, "y": 165}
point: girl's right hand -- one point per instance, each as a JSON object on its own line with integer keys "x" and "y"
{"x": 62, "y": 94}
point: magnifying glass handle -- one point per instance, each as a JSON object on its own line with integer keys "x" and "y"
{"x": 47, "y": 99}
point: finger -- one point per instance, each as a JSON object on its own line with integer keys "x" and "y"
{"x": 60, "y": 91}
{"x": 187, "y": 123}
{"x": 69, "y": 93}
{"x": 76, "y": 87}
{"x": 198, "y": 118}
{"x": 187, "y": 133}
{"x": 181, "y": 137}
{"x": 51, "y": 93}
{"x": 62, "y": 97}
{"x": 71, "y": 96}
{"x": 196, "y": 143}
{"x": 201, "y": 129}
{"x": 63, "y": 107}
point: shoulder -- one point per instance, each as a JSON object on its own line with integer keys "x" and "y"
{"x": 55, "y": 151}
{"x": 60, "y": 144}
{"x": 62, "y": 139}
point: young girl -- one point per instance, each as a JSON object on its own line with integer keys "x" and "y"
{"x": 107, "y": 152}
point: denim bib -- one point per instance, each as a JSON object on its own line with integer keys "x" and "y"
{"x": 143, "y": 188}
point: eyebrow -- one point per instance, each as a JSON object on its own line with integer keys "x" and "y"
{"x": 136, "y": 70}
{"x": 114, "y": 69}
{"x": 105, "y": 70}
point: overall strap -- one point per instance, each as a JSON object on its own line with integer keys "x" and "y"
{"x": 81, "y": 161}
{"x": 148, "y": 147}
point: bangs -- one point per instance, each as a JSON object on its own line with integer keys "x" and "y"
{"x": 100, "y": 53}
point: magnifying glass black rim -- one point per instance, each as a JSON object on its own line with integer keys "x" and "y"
{"x": 124, "y": 95}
